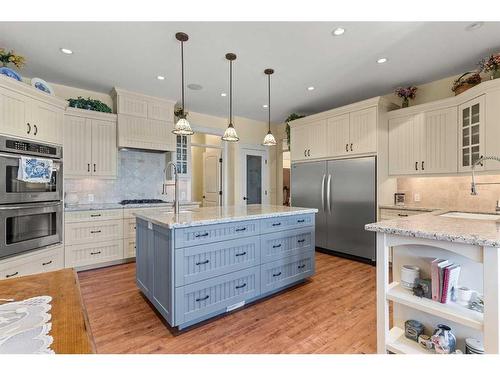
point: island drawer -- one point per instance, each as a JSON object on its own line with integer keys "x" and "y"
{"x": 286, "y": 222}
{"x": 287, "y": 243}
{"x": 197, "y": 300}
{"x": 196, "y": 263}
{"x": 285, "y": 271}
{"x": 200, "y": 235}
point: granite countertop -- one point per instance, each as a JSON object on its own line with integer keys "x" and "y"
{"x": 217, "y": 215}
{"x": 117, "y": 206}
{"x": 408, "y": 207}
{"x": 435, "y": 227}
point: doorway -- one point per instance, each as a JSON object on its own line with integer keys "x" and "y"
{"x": 254, "y": 178}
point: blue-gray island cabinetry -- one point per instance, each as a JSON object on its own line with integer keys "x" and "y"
{"x": 201, "y": 263}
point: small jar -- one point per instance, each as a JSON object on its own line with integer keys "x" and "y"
{"x": 409, "y": 276}
{"x": 413, "y": 329}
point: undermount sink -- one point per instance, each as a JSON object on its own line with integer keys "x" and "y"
{"x": 468, "y": 215}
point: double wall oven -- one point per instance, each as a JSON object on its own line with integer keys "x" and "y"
{"x": 30, "y": 213}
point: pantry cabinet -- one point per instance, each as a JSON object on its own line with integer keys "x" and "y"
{"x": 89, "y": 144}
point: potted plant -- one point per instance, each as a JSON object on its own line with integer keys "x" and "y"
{"x": 90, "y": 104}
{"x": 291, "y": 117}
{"x": 406, "y": 93}
{"x": 7, "y": 58}
{"x": 465, "y": 82}
{"x": 491, "y": 65}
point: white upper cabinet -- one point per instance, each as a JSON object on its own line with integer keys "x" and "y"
{"x": 298, "y": 142}
{"x": 28, "y": 113}
{"x": 363, "y": 131}
{"x": 471, "y": 123}
{"x": 337, "y": 134}
{"x": 144, "y": 122}
{"x": 308, "y": 141}
{"x": 89, "y": 144}
{"x": 405, "y": 138}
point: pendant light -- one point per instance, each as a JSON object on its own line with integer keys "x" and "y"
{"x": 182, "y": 126}
{"x": 269, "y": 139}
{"x": 230, "y": 133}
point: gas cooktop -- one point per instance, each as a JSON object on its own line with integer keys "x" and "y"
{"x": 141, "y": 201}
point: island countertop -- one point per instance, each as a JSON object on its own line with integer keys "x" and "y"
{"x": 435, "y": 227}
{"x": 217, "y": 215}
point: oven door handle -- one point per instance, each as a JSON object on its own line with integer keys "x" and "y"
{"x": 34, "y": 205}
{"x": 14, "y": 156}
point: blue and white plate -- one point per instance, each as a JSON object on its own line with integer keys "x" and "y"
{"x": 10, "y": 73}
{"x": 41, "y": 85}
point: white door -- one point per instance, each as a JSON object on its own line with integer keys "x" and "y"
{"x": 77, "y": 146}
{"x": 15, "y": 114}
{"x": 211, "y": 178}
{"x": 337, "y": 134}
{"x": 405, "y": 142}
{"x": 104, "y": 152}
{"x": 363, "y": 131}
{"x": 47, "y": 122}
{"x": 254, "y": 178}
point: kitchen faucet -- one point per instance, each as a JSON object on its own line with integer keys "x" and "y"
{"x": 176, "y": 185}
{"x": 473, "y": 190}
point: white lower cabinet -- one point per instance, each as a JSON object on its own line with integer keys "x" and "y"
{"x": 92, "y": 253}
{"x": 76, "y": 233}
{"x": 45, "y": 260}
{"x": 129, "y": 247}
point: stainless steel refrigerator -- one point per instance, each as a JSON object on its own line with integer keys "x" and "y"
{"x": 344, "y": 192}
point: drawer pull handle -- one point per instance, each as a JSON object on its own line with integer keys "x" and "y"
{"x": 95, "y": 215}
{"x": 202, "y": 235}
{"x": 302, "y": 240}
{"x": 276, "y": 224}
{"x": 241, "y": 286}
{"x": 95, "y": 231}
{"x": 202, "y": 299}
{"x": 403, "y": 215}
{"x": 276, "y": 274}
{"x": 12, "y": 274}
{"x": 276, "y": 246}
{"x": 241, "y": 229}
{"x": 204, "y": 262}
{"x": 301, "y": 266}
{"x": 46, "y": 263}
{"x": 95, "y": 253}
{"x": 241, "y": 254}
{"x": 301, "y": 221}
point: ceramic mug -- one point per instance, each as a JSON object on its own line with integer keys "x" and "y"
{"x": 464, "y": 295}
{"x": 409, "y": 275}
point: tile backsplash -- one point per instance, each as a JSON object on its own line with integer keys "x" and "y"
{"x": 451, "y": 192}
{"x": 140, "y": 176}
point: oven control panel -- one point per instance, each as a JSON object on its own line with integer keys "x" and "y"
{"x": 31, "y": 148}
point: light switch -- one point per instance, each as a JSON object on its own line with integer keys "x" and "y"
{"x": 416, "y": 197}
{"x": 90, "y": 197}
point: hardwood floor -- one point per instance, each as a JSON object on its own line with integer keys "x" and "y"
{"x": 334, "y": 312}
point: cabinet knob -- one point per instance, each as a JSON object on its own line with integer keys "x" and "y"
{"x": 29, "y": 128}
{"x": 346, "y": 147}
{"x": 423, "y": 165}
{"x": 36, "y": 130}
{"x": 305, "y": 152}
{"x": 88, "y": 167}
{"x": 309, "y": 152}
{"x": 46, "y": 263}
{"x": 416, "y": 165}
{"x": 94, "y": 168}
{"x": 351, "y": 146}
{"x": 12, "y": 274}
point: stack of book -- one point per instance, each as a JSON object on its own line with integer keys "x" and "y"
{"x": 444, "y": 280}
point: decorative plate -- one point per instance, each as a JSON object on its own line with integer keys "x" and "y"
{"x": 41, "y": 85}
{"x": 10, "y": 73}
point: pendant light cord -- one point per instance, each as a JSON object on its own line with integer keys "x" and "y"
{"x": 269, "y": 101}
{"x": 231, "y": 92}
{"x": 182, "y": 75}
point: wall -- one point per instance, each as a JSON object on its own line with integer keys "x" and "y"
{"x": 451, "y": 192}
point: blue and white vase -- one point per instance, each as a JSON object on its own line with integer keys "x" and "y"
{"x": 10, "y": 73}
{"x": 444, "y": 340}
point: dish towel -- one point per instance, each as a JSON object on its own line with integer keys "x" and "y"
{"x": 35, "y": 170}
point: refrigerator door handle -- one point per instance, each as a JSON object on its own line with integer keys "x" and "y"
{"x": 328, "y": 185}
{"x": 323, "y": 192}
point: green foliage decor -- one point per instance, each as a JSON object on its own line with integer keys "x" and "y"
{"x": 90, "y": 104}
{"x": 290, "y": 118}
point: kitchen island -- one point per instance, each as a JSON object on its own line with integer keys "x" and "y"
{"x": 466, "y": 239}
{"x": 204, "y": 262}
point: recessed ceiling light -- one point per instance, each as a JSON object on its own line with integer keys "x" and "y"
{"x": 194, "y": 86}
{"x": 66, "y": 51}
{"x": 338, "y": 31}
{"x": 310, "y": 88}
{"x": 223, "y": 94}
{"x": 264, "y": 105}
{"x": 161, "y": 78}
{"x": 382, "y": 60}
{"x": 474, "y": 26}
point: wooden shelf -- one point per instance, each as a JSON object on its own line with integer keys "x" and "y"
{"x": 451, "y": 311}
{"x": 397, "y": 343}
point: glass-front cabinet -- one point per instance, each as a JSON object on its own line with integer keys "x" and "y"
{"x": 471, "y": 133}
{"x": 182, "y": 148}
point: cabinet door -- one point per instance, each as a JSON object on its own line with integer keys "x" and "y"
{"x": 337, "y": 134}
{"x": 47, "y": 121}
{"x": 471, "y": 133}
{"x": 160, "y": 135}
{"x": 298, "y": 142}
{"x": 405, "y": 139}
{"x": 316, "y": 139}
{"x": 363, "y": 131}
{"x": 440, "y": 142}
{"x": 104, "y": 152}
{"x": 77, "y": 146}
{"x": 15, "y": 114}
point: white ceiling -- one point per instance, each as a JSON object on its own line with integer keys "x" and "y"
{"x": 342, "y": 69}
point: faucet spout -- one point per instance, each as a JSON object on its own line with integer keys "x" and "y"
{"x": 173, "y": 165}
{"x": 473, "y": 187}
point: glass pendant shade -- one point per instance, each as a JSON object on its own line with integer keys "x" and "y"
{"x": 269, "y": 139}
{"x": 230, "y": 134}
{"x": 182, "y": 127}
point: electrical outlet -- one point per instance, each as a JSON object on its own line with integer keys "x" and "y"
{"x": 416, "y": 197}
{"x": 90, "y": 197}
